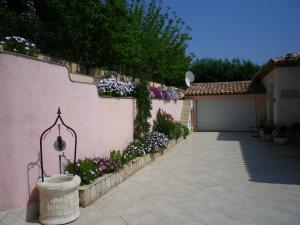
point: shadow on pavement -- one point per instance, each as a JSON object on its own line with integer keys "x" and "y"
{"x": 266, "y": 162}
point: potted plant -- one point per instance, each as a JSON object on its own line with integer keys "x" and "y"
{"x": 265, "y": 131}
{"x": 278, "y": 135}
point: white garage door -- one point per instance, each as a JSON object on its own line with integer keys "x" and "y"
{"x": 226, "y": 115}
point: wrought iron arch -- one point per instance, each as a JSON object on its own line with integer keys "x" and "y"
{"x": 47, "y": 131}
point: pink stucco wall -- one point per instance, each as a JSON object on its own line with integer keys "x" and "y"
{"x": 30, "y": 93}
{"x": 173, "y": 108}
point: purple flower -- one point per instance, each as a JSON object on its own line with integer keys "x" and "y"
{"x": 160, "y": 93}
{"x": 156, "y": 92}
{"x": 105, "y": 165}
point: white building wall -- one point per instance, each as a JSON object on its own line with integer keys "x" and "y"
{"x": 287, "y": 96}
{"x": 268, "y": 82}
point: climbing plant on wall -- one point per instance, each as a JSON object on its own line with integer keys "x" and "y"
{"x": 143, "y": 101}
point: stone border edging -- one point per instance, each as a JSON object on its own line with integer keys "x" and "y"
{"x": 91, "y": 192}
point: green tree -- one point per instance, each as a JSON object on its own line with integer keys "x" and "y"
{"x": 136, "y": 37}
{"x": 73, "y": 30}
{"x": 162, "y": 43}
{"x": 18, "y": 18}
{"x": 217, "y": 70}
{"x": 122, "y": 45}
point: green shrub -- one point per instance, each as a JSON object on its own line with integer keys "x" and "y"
{"x": 183, "y": 130}
{"x": 85, "y": 169}
{"x": 117, "y": 157}
{"x": 186, "y": 131}
{"x": 175, "y": 131}
{"x": 166, "y": 124}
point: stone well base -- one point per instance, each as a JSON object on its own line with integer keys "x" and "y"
{"x": 59, "y": 201}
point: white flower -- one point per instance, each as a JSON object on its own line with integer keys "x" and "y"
{"x": 14, "y": 50}
{"x": 26, "y": 48}
{"x": 115, "y": 87}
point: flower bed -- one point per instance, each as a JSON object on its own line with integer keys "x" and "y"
{"x": 116, "y": 88}
{"x": 91, "y": 192}
{"x": 99, "y": 175}
{"x": 164, "y": 130}
{"x": 89, "y": 169}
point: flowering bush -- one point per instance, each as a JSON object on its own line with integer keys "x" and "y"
{"x": 163, "y": 123}
{"x": 161, "y": 93}
{"x": 155, "y": 92}
{"x": 156, "y": 140}
{"x": 135, "y": 149}
{"x": 85, "y": 169}
{"x": 168, "y": 117}
{"x": 19, "y": 45}
{"x": 166, "y": 124}
{"x": 114, "y": 87}
{"x": 174, "y": 95}
{"x": 105, "y": 165}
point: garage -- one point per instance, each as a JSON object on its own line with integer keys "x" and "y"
{"x": 226, "y": 115}
{"x": 227, "y": 106}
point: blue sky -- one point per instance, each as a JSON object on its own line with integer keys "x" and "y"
{"x": 250, "y": 29}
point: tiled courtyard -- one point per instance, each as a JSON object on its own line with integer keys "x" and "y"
{"x": 210, "y": 178}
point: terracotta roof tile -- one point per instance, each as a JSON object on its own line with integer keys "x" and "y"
{"x": 291, "y": 59}
{"x": 225, "y": 88}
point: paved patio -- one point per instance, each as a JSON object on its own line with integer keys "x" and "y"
{"x": 210, "y": 178}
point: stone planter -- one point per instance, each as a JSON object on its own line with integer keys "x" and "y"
{"x": 91, "y": 192}
{"x": 156, "y": 154}
{"x": 59, "y": 201}
{"x": 279, "y": 140}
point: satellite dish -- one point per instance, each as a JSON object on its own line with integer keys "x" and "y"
{"x": 189, "y": 78}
